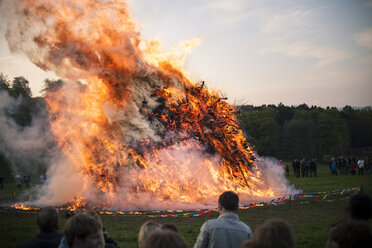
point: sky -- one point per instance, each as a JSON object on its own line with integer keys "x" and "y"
{"x": 317, "y": 52}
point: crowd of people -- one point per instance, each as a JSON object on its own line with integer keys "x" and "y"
{"x": 26, "y": 180}
{"x": 86, "y": 230}
{"x": 350, "y": 165}
{"x": 305, "y": 167}
{"x": 343, "y": 165}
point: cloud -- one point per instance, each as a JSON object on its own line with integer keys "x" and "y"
{"x": 234, "y": 12}
{"x": 324, "y": 55}
{"x": 292, "y": 33}
{"x": 364, "y": 38}
{"x": 288, "y": 22}
{"x": 225, "y": 5}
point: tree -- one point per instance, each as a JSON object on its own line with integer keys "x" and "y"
{"x": 20, "y": 87}
{"x": 333, "y": 135}
{"x": 4, "y": 83}
{"x": 51, "y": 85}
{"x": 264, "y": 130}
{"x": 299, "y": 139}
{"x": 284, "y": 114}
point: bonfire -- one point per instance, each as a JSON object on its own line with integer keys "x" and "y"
{"x": 134, "y": 130}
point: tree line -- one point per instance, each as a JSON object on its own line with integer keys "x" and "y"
{"x": 286, "y": 132}
{"x": 301, "y": 131}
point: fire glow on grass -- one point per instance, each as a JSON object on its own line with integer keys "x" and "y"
{"x": 136, "y": 132}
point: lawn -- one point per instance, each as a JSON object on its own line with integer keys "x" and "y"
{"x": 309, "y": 218}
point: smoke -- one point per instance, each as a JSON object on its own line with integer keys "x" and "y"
{"x": 135, "y": 133}
{"x": 274, "y": 176}
{"x": 29, "y": 148}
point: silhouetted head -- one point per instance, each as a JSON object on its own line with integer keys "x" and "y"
{"x": 48, "y": 219}
{"x": 360, "y": 207}
{"x": 165, "y": 239}
{"x": 83, "y": 231}
{"x": 273, "y": 233}
{"x": 168, "y": 226}
{"x": 351, "y": 233}
{"x": 228, "y": 201}
{"x": 146, "y": 229}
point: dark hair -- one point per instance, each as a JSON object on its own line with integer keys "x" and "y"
{"x": 165, "y": 239}
{"x": 351, "y": 233}
{"x": 273, "y": 233}
{"x": 360, "y": 207}
{"x": 80, "y": 226}
{"x": 48, "y": 219}
{"x": 168, "y": 226}
{"x": 247, "y": 244}
{"x": 146, "y": 229}
{"x": 229, "y": 201}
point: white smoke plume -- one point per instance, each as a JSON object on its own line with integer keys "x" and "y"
{"x": 136, "y": 133}
{"x": 30, "y": 148}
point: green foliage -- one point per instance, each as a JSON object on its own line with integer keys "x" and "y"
{"x": 298, "y": 138}
{"x": 310, "y": 132}
{"x": 263, "y": 129}
{"x": 284, "y": 114}
{"x": 20, "y": 87}
{"x": 333, "y": 136}
{"x": 4, "y": 82}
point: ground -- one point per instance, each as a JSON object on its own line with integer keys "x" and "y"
{"x": 310, "y": 219}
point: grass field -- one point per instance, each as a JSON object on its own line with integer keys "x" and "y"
{"x": 310, "y": 219}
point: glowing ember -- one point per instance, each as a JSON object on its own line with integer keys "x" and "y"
{"x": 137, "y": 133}
{"x": 21, "y": 206}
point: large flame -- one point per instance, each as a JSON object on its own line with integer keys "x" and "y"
{"x": 134, "y": 128}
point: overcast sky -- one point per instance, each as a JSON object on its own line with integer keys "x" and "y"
{"x": 316, "y": 52}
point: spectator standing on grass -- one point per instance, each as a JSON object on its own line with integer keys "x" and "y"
{"x": 287, "y": 169}
{"x": 330, "y": 165}
{"x": 303, "y": 167}
{"x": 334, "y": 168}
{"x": 146, "y": 229}
{"x": 42, "y": 178}
{"x": 346, "y": 166}
{"x": 367, "y": 166}
{"x": 339, "y": 165}
{"x": 280, "y": 163}
{"x": 1, "y": 182}
{"x": 227, "y": 230}
{"x": 307, "y": 164}
{"x": 273, "y": 233}
{"x": 18, "y": 181}
{"x": 352, "y": 167}
{"x": 48, "y": 221}
{"x": 27, "y": 180}
{"x": 315, "y": 167}
{"x": 298, "y": 166}
{"x": 294, "y": 167}
{"x": 360, "y": 166}
{"x": 311, "y": 164}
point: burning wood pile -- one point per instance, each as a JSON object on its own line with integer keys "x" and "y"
{"x": 135, "y": 131}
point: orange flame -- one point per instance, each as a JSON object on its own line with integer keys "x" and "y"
{"x": 134, "y": 128}
{"x": 22, "y": 206}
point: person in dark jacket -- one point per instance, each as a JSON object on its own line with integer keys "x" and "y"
{"x": 48, "y": 222}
